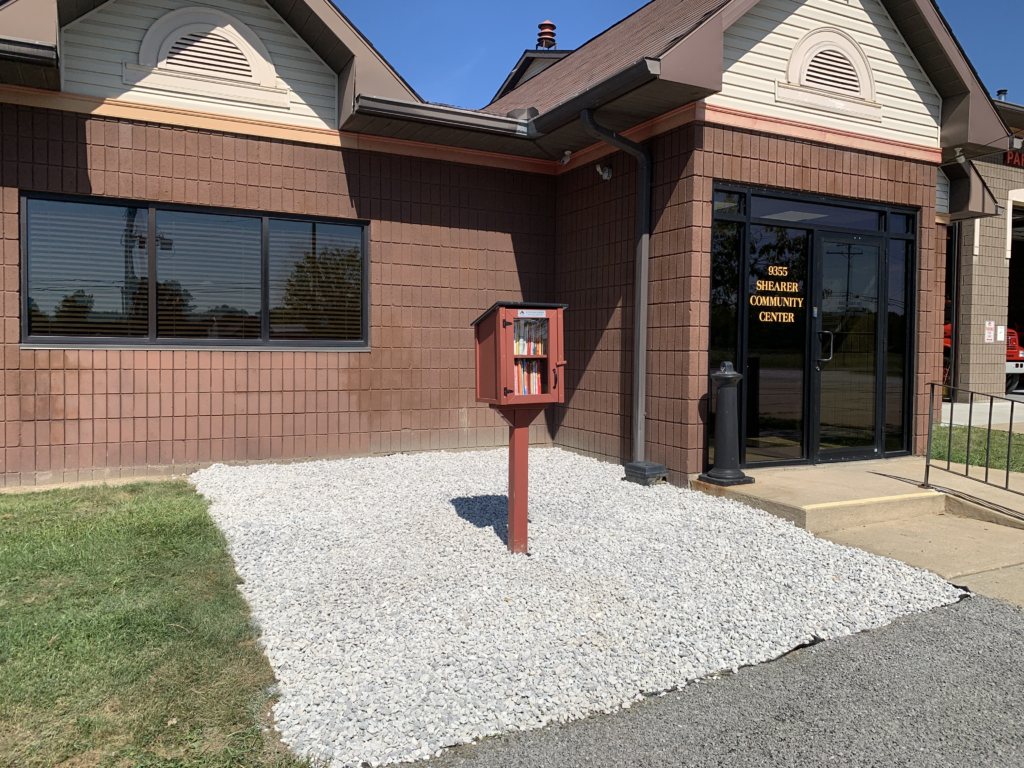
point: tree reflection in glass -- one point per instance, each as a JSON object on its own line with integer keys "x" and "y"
{"x": 316, "y": 281}
{"x": 777, "y": 333}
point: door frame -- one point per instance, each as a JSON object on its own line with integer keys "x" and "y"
{"x": 739, "y": 351}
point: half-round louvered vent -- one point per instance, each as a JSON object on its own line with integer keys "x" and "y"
{"x": 831, "y": 69}
{"x": 208, "y": 54}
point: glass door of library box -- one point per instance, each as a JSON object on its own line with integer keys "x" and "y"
{"x": 532, "y": 337}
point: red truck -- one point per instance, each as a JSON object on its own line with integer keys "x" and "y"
{"x": 1014, "y": 357}
{"x": 1014, "y": 360}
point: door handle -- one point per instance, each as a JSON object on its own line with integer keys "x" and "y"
{"x": 831, "y": 342}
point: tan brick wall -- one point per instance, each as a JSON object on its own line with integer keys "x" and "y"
{"x": 447, "y": 240}
{"x": 594, "y": 274}
{"x": 984, "y": 285}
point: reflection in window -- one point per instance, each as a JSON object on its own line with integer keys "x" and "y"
{"x": 316, "y": 281}
{"x": 849, "y": 315}
{"x": 730, "y": 203}
{"x": 777, "y": 333}
{"x": 896, "y": 353}
{"x": 87, "y": 269}
{"x": 798, "y": 212}
{"x": 901, "y": 223}
{"x": 208, "y": 276}
{"x": 726, "y": 241}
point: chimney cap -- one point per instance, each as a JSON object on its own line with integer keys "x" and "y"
{"x": 1001, "y": 94}
{"x": 546, "y": 38}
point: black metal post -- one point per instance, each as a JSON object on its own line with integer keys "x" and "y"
{"x": 988, "y": 443}
{"x": 931, "y": 423}
{"x": 726, "y": 470}
{"x": 1009, "y": 445}
{"x": 949, "y": 432}
{"x": 970, "y": 428}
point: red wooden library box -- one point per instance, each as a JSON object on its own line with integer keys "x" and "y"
{"x": 520, "y": 355}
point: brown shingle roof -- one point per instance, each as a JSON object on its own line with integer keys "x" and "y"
{"x": 648, "y": 33}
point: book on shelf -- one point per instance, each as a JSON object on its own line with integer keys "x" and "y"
{"x": 528, "y": 377}
{"x": 530, "y": 337}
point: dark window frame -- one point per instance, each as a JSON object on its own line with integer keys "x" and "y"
{"x": 151, "y": 340}
{"x": 746, "y": 219}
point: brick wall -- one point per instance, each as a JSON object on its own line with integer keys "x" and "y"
{"x": 594, "y": 274}
{"x": 447, "y": 241}
{"x": 984, "y": 285}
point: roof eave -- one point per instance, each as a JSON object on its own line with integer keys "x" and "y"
{"x": 435, "y": 114}
{"x": 632, "y": 77}
{"x": 512, "y": 81}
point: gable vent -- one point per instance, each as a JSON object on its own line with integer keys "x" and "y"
{"x": 208, "y": 54}
{"x": 831, "y": 69}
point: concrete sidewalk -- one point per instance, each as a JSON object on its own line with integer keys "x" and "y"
{"x": 967, "y": 532}
{"x": 984, "y": 557}
{"x": 1003, "y": 412}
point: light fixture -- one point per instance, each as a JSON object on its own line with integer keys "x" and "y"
{"x": 959, "y": 152}
{"x": 605, "y": 171}
{"x": 1018, "y": 142}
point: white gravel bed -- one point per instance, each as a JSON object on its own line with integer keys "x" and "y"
{"x": 398, "y": 624}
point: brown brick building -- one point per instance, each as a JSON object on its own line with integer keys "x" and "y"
{"x": 282, "y": 261}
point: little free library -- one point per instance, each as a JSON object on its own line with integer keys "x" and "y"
{"x": 232, "y": 232}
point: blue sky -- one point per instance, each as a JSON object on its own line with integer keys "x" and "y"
{"x": 459, "y": 51}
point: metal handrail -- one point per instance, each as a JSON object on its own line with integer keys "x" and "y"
{"x": 971, "y": 396}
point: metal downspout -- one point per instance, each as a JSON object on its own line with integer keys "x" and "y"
{"x": 643, "y": 242}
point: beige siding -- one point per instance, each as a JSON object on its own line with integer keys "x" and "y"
{"x": 95, "y": 47}
{"x": 942, "y": 193}
{"x": 757, "y": 52}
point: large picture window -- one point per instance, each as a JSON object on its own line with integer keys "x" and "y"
{"x": 103, "y": 272}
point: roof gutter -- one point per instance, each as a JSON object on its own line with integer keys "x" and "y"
{"x": 436, "y": 114}
{"x": 520, "y": 123}
{"x": 28, "y": 52}
{"x": 622, "y": 82}
{"x": 638, "y": 468}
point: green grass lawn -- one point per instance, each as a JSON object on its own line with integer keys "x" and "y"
{"x": 123, "y": 638}
{"x": 979, "y": 444}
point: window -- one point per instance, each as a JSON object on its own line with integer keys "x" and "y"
{"x": 829, "y": 71}
{"x": 219, "y": 278}
{"x": 315, "y": 280}
{"x": 87, "y": 269}
{"x": 208, "y": 276}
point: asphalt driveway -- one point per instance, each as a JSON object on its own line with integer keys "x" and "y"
{"x": 943, "y": 688}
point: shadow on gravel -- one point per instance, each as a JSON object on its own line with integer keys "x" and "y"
{"x": 489, "y": 511}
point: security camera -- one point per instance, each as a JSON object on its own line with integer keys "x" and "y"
{"x": 605, "y": 171}
{"x": 565, "y": 158}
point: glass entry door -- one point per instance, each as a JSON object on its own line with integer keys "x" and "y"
{"x": 811, "y": 299}
{"x": 846, "y": 333}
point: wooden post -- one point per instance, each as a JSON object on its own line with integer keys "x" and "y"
{"x": 519, "y": 421}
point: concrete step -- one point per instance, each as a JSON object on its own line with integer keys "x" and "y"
{"x": 833, "y": 497}
{"x": 826, "y": 516}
